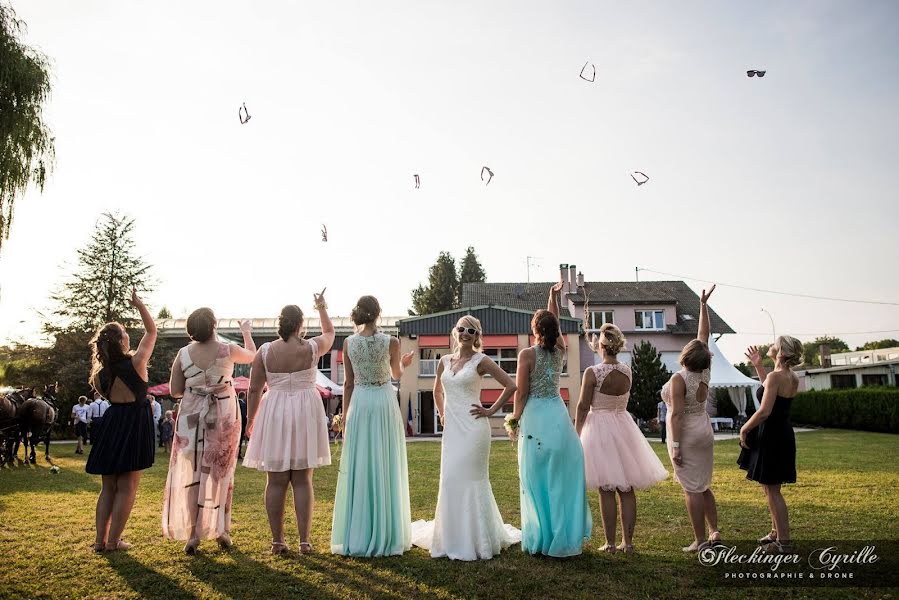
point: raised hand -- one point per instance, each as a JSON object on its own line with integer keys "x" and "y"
{"x": 752, "y": 353}
{"x": 320, "y": 299}
{"x": 245, "y": 326}
{"x": 557, "y": 287}
{"x": 135, "y": 299}
{"x": 705, "y": 297}
{"x": 406, "y": 359}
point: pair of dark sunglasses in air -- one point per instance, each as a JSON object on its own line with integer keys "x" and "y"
{"x": 752, "y": 72}
{"x": 470, "y": 330}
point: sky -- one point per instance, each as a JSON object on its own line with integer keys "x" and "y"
{"x": 785, "y": 183}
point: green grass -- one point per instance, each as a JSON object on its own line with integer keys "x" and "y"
{"x": 847, "y": 489}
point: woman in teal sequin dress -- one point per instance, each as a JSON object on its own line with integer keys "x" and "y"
{"x": 555, "y": 515}
{"x": 371, "y": 507}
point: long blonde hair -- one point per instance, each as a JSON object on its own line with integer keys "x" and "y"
{"x": 610, "y": 338}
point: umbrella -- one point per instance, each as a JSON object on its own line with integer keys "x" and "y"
{"x": 159, "y": 390}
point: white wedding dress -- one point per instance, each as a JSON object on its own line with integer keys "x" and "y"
{"x": 467, "y": 524}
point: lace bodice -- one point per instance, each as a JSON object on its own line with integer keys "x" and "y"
{"x": 370, "y": 356}
{"x": 608, "y": 401}
{"x": 287, "y": 382}
{"x": 545, "y": 376}
{"x": 692, "y": 380}
{"x": 463, "y": 388}
{"x": 214, "y": 379}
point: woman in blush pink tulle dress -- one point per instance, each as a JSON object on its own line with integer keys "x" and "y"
{"x": 617, "y": 457}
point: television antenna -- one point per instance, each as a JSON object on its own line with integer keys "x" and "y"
{"x": 532, "y": 262}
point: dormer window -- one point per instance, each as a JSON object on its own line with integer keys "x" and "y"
{"x": 649, "y": 320}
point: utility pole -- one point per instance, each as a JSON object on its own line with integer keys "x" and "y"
{"x": 529, "y": 259}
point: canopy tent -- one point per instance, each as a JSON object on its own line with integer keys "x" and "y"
{"x": 726, "y": 375}
{"x": 325, "y": 386}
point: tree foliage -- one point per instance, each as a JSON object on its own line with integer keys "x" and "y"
{"x": 26, "y": 143}
{"x": 811, "y": 354}
{"x": 879, "y": 344}
{"x": 470, "y": 271}
{"x": 164, "y": 313}
{"x": 649, "y": 375}
{"x": 444, "y": 289}
{"x": 99, "y": 290}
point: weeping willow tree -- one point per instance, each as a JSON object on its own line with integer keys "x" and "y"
{"x": 26, "y": 144}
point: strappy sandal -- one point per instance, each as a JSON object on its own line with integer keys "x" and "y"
{"x": 224, "y": 541}
{"x": 715, "y": 538}
{"x": 190, "y": 548}
{"x": 279, "y": 548}
{"x": 118, "y": 546}
{"x": 696, "y": 546}
{"x": 306, "y": 548}
{"x": 610, "y": 548}
{"x": 626, "y": 548}
{"x": 98, "y": 547}
{"x": 778, "y": 547}
{"x": 768, "y": 539}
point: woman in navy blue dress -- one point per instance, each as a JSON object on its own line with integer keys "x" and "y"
{"x": 768, "y": 444}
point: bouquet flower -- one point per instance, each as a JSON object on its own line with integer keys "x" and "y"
{"x": 511, "y": 424}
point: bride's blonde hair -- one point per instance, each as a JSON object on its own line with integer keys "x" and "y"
{"x": 469, "y": 321}
{"x": 610, "y": 338}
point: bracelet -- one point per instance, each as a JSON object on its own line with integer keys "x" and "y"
{"x": 322, "y": 305}
{"x": 675, "y": 444}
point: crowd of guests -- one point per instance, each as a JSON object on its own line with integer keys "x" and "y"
{"x": 288, "y": 437}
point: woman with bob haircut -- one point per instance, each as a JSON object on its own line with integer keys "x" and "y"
{"x": 690, "y": 436}
{"x": 769, "y": 445}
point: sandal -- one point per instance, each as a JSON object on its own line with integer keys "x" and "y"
{"x": 715, "y": 538}
{"x": 768, "y": 539}
{"x": 279, "y": 548}
{"x": 626, "y": 548}
{"x": 98, "y": 547}
{"x": 778, "y": 547}
{"x": 190, "y": 548}
{"x": 119, "y": 545}
{"x": 696, "y": 546}
{"x": 224, "y": 541}
{"x": 610, "y": 548}
{"x": 306, "y": 548}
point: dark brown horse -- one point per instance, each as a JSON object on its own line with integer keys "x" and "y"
{"x": 10, "y": 425}
{"x": 32, "y": 423}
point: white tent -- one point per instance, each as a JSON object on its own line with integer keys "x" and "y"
{"x": 726, "y": 375}
{"x": 323, "y": 380}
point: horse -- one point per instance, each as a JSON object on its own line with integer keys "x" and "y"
{"x": 36, "y": 418}
{"x": 10, "y": 425}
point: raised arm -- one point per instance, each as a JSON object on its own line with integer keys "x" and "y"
{"x": 488, "y": 367}
{"x": 246, "y": 354}
{"x": 552, "y": 305}
{"x": 326, "y": 340}
{"x": 254, "y": 394}
{"x": 148, "y": 341}
{"x": 585, "y": 400}
{"x": 704, "y": 321}
{"x": 398, "y": 362}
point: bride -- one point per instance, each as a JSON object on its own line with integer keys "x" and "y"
{"x": 467, "y": 524}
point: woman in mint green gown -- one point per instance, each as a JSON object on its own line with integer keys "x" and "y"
{"x": 555, "y": 515}
{"x": 371, "y": 507}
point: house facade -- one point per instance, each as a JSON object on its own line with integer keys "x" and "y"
{"x": 852, "y": 370}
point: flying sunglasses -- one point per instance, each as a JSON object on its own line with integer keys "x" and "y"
{"x": 754, "y": 72}
{"x": 470, "y": 330}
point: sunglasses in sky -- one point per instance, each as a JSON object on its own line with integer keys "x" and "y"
{"x": 752, "y": 72}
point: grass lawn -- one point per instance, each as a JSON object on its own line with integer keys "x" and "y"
{"x": 847, "y": 490}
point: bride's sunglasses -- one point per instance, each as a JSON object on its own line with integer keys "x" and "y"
{"x": 470, "y": 330}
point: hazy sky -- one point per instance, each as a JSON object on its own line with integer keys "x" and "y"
{"x": 787, "y": 182}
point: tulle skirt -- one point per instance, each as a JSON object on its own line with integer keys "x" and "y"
{"x": 372, "y": 516}
{"x": 617, "y": 455}
{"x": 290, "y": 433}
{"x": 124, "y": 441}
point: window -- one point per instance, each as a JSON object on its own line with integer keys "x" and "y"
{"x": 649, "y": 319}
{"x": 842, "y": 381}
{"x": 874, "y": 379}
{"x": 324, "y": 364}
{"x": 598, "y": 318}
{"x": 341, "y": 376}
{"x": 428, "y": 359}
{"x": 506, "y": 358}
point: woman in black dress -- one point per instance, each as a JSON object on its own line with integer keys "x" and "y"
{"x": 769, "y": 446}
{"x": 126, "y": 445}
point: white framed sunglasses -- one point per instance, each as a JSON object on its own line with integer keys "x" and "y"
{"x": 469, "y": 330}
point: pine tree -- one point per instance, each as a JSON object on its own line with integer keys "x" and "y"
{"x": 470, "y": 271}
{"x": 443, "y": 285}
{"x": 100, "y": 288}
{"x": 649, "y": 375}
{"x": 26, "y": 144}
{"x": 164, "y": 313}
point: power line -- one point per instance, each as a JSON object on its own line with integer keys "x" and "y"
{"x": 752, "y": 289}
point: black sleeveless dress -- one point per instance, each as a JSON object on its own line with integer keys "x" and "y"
{"x": 771, "y": 458}
{"x": 126, "y": 441}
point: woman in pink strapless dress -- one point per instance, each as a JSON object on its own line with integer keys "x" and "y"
{"x": 617, "y": 457}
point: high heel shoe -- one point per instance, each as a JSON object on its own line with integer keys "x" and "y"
{"x": 190, "y": 548}
{"x": 224, "y": 541}
{"x": 279, "y": 548}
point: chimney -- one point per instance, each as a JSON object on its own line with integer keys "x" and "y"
{"x": 563, "y": 277}
{"x": 580, "y": 280}
{"x": 824, "y": 353}
{"x": 572, "y": 279}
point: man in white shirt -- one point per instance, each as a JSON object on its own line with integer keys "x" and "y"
{"x": 157, "y": 415}
{"x": 662, "y": 415}
{"x": 97, "y": 410}
{"x": 80, "y": 414}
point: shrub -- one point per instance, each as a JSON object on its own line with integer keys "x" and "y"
{"x": 869, "y": 409}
